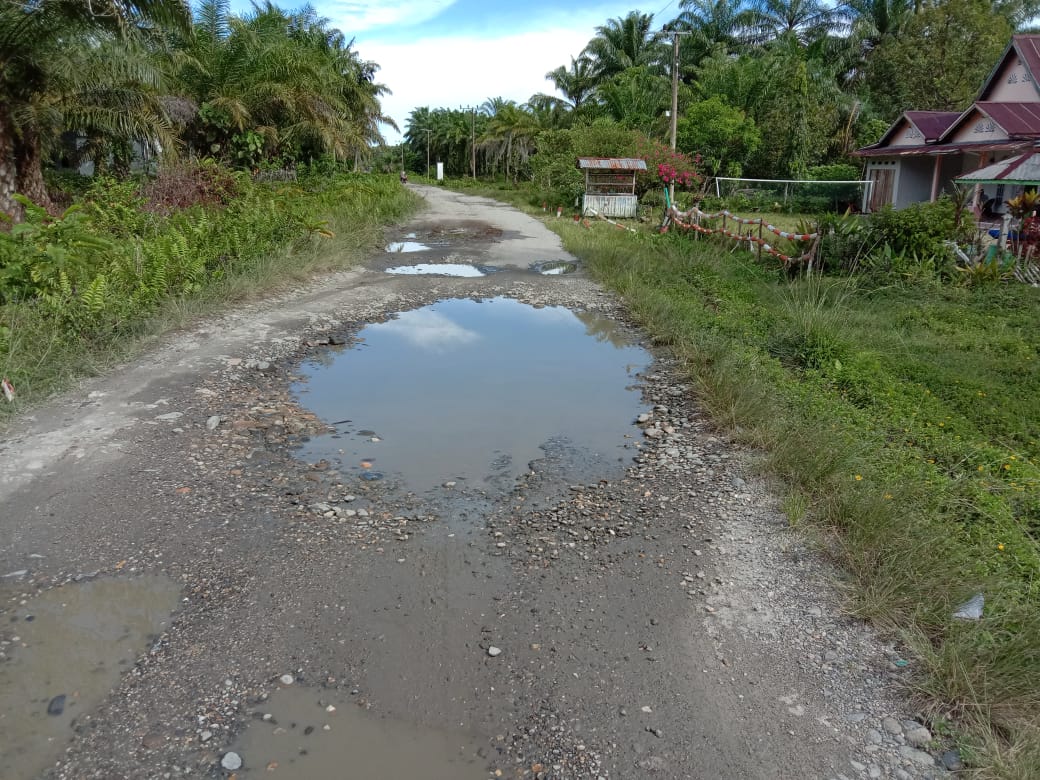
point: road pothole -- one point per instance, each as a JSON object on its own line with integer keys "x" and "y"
{"x": 301, "y": 733}
{"x": 61, "y": 654}
{"x": 405, "y": 247}
{"x": 474, "y": 391}
{"x": 439, "y": 269}
{"x": 555, "y": 268}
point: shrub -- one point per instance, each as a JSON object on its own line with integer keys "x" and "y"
{"x": 196, "y": 182}
{"x": 919, "y": 231}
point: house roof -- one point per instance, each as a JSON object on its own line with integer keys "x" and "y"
{"x": 937, "y": 149}
{"x": 1021, "y": 119}
{"x": 932, "y": 124}
{"x": 611, "y": 163}
{"x": 1027, "y": 47}
{"x": 1023, "y": 169}
{"x": 1018, "y": 120}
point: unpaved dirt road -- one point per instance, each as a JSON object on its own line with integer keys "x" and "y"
{"x": 186, "y": 594}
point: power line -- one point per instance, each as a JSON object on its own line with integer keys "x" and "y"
{"x": 664, "y": 9}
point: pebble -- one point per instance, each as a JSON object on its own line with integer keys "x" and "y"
{"x": 231, "y": 761}
{"x": 286, "y": 679}
{"x": 170, "y": 416}
{"x": 206, "y": 736}
{"x": 56, "y": 706}
{"x": 213, "y": 422}
{"x": 892, "y": 726}
{"x": 494, "y": 651}
{"x": 917, "y": 756}
{"x": 918, "y": 736}
{"x": 951, "y": 759}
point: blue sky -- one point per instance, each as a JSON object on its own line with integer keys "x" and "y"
{"x": 445, "y": 53}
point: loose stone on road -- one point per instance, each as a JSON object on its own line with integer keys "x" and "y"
{"x": 426, "y": 576}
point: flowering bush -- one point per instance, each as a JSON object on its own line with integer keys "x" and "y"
{"x": 669, "y": 166}
{"x": 669, "y": 174}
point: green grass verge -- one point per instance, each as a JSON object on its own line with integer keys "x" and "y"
{"x": 903, "y": 421}
{"x": 269, "y": 238}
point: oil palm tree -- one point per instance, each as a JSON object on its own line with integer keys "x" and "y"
{"x": 288, "y": 80}
{"x": 508, "y": 136}
{"x": 625, "y": 42}
{"x": 805, "y": 20}
{"x": 575, "y": 82}
{"x": 60, "y": 69}
{"x": 713, "y": 22}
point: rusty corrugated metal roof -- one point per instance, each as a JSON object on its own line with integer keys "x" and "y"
{"x": 1024, "y": 169}
{"x": 1028, "y": 46}
{"x": 611, "y": 163}
{"x": 932, "y": 124}
{"x": 936, "y": 149}
{"x": 1021, "y": 119}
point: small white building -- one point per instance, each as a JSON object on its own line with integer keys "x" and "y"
{"x": 610, "y": 185}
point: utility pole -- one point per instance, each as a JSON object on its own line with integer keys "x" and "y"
{"x": 675, "y": 101}
{"x": 472, "y": 138}
{"x": 428, "y": 131}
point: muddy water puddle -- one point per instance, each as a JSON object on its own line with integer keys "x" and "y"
{"x": 439, "y": 269}
{"x": 473, "y": 391}
{"x": 555, "y": 268}
{"x": 301, "y": 734}
{"x": 63, "y": 652}
{"x": 404, "y": 247}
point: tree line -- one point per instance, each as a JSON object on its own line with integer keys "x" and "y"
{"x": 110, "y": 81}
{"x": 767, "y": 88}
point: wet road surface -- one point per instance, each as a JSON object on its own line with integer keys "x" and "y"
{"x": 408, "y": 525}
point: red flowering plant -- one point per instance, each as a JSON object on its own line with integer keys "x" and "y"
{"x": 665, "y": 166}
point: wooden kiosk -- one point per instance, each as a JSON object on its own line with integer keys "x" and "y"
{"x": 610, "y": 186}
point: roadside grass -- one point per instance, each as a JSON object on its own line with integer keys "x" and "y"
{"x": 903, "y": 421}
{"x": 333, "y": 223}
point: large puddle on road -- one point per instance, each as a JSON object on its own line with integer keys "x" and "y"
{"x": 475, "y": 391}
{"x": 62, "y": 652}
{"x": 295, "y": 736}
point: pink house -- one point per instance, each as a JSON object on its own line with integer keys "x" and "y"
{"x": 924, "y": 151}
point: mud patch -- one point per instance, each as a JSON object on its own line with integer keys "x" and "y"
{"x": 62, "y": 653}
{"x": 300, "y": 734}
{"x": 474, "y": 390}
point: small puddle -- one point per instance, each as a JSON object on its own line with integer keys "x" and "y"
{"x": 406, "y": 246}
{"x": 439, "y": 269}
{"x": 295, "y": 736}
{"x": 61, "y": 654}
{"x": 555, "y": 268}
{"x": 476, "y": 390}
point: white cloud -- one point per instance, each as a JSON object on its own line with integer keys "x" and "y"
{"x": 353, "y": 17}
{"x": 429, "y": 330}
{"x": 467, "y": 69}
